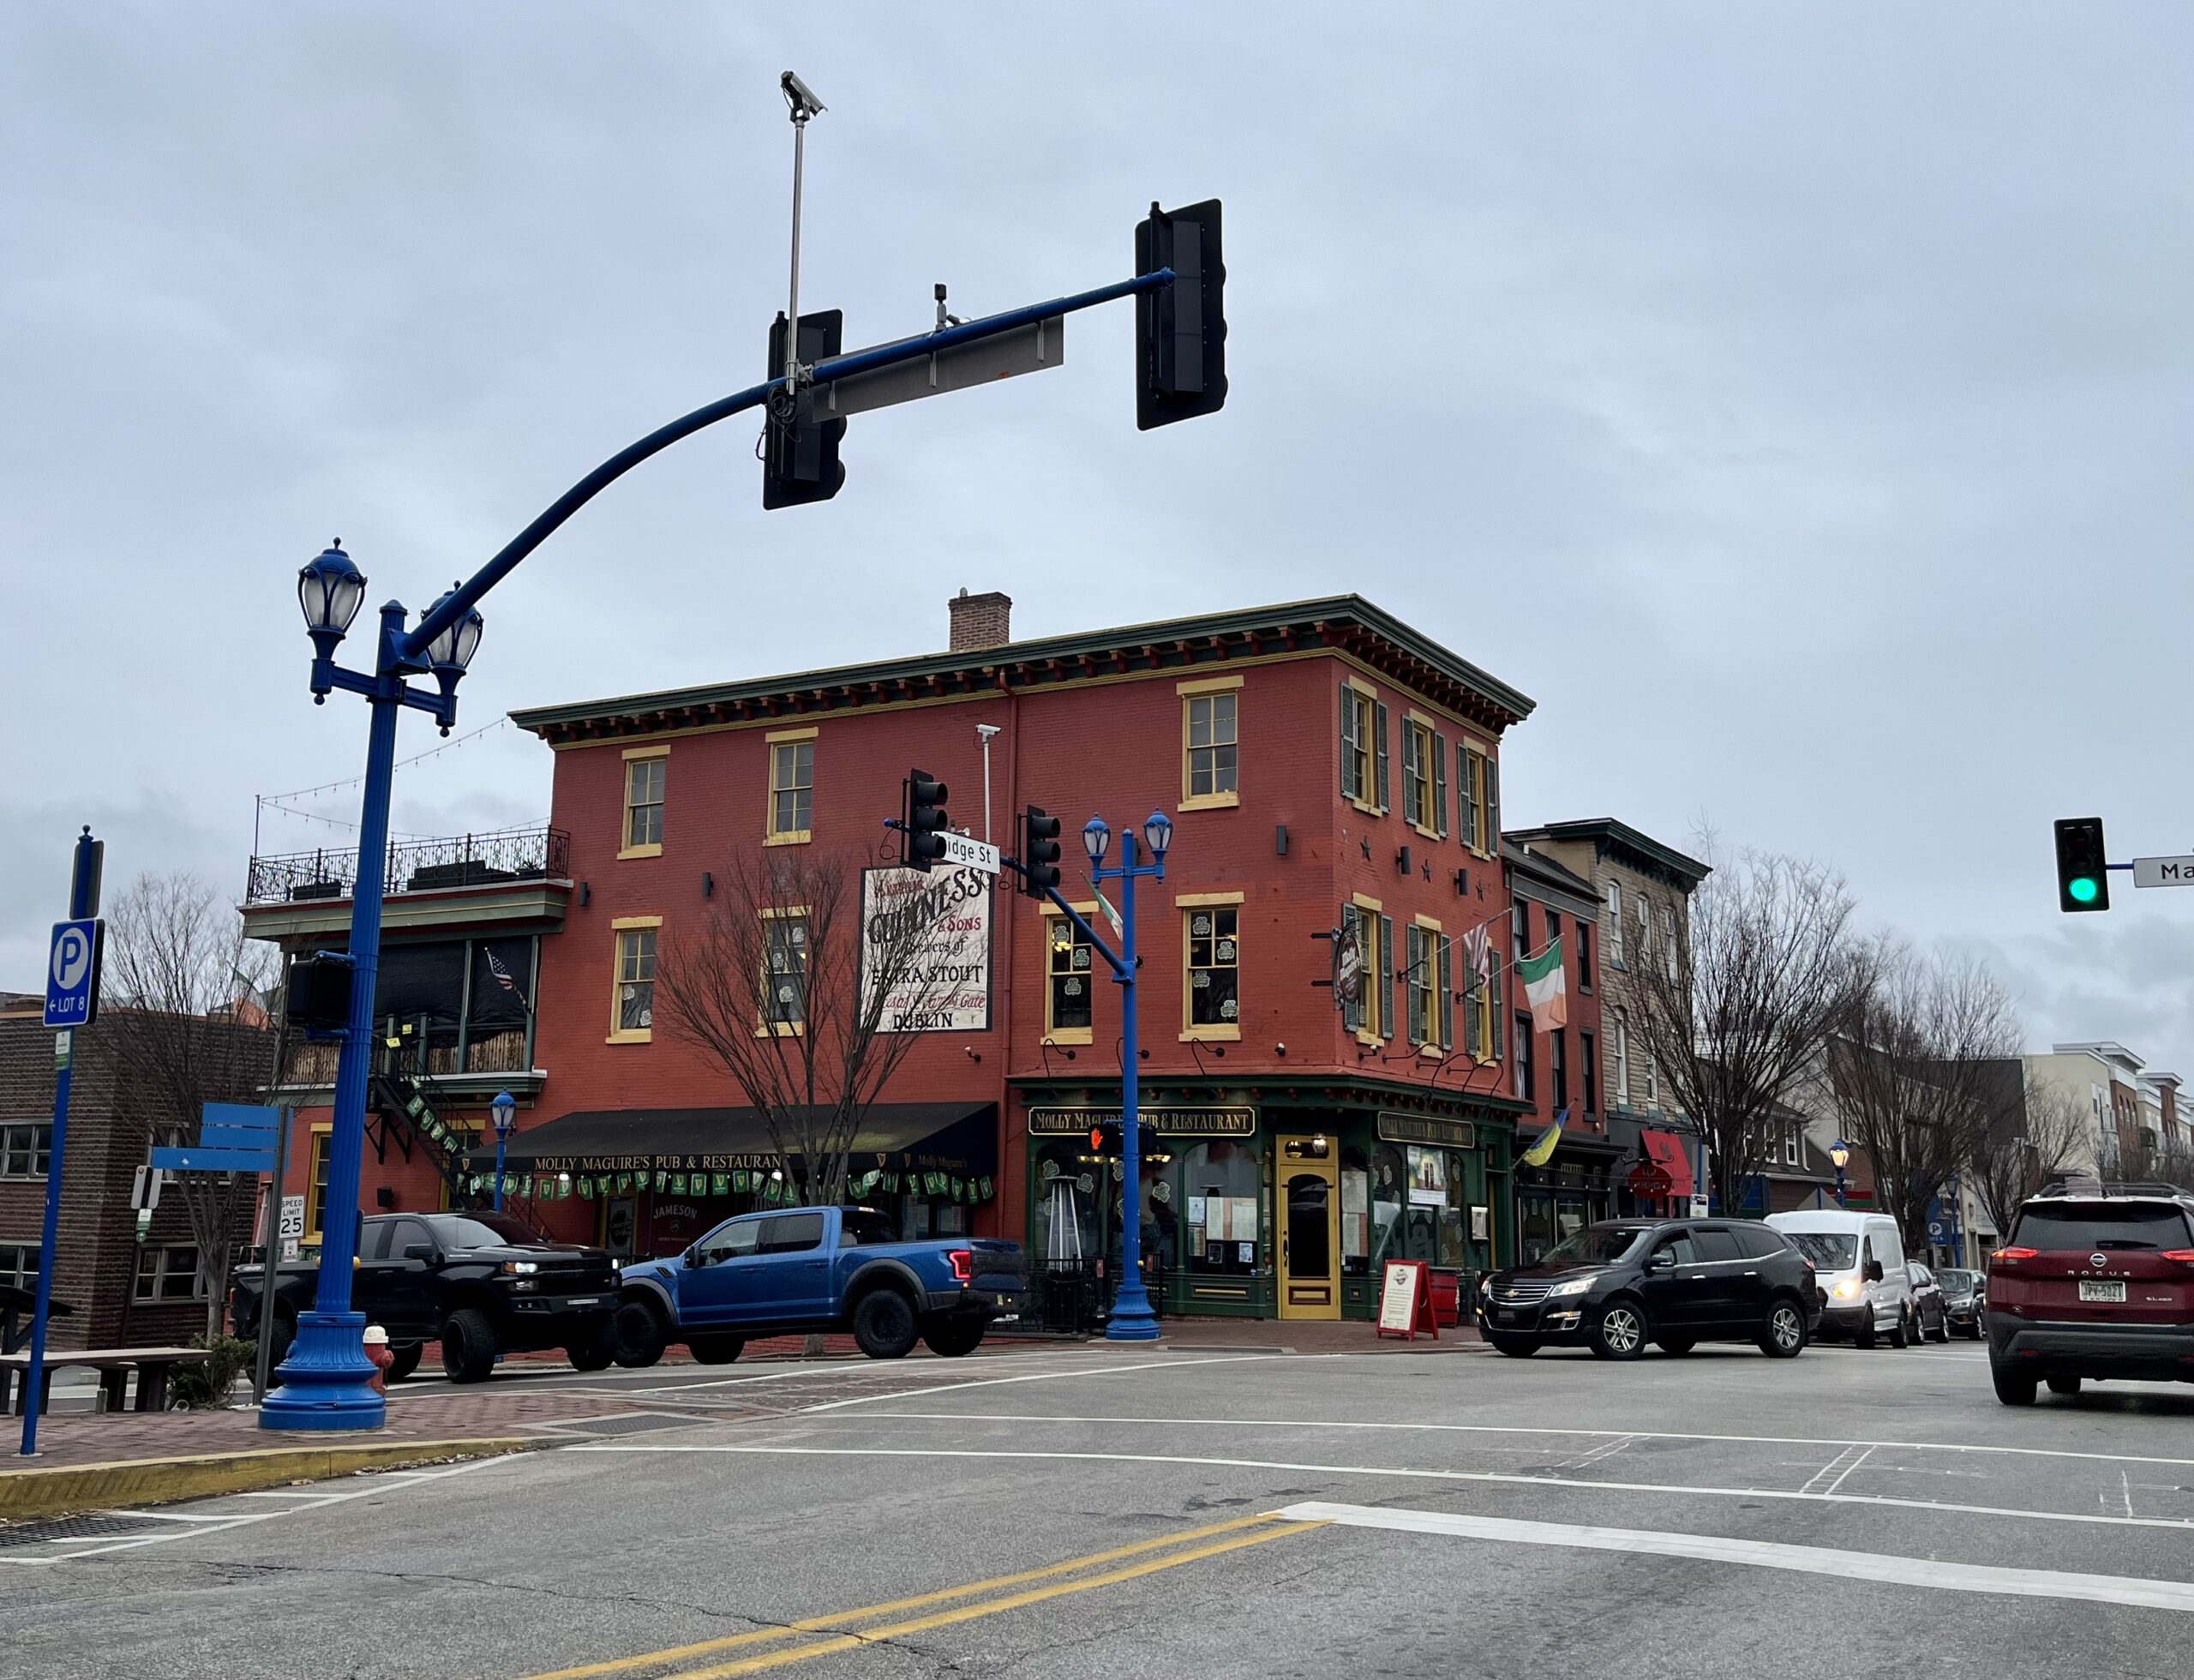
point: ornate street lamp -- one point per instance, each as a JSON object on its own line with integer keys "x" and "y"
{"x": 330, "y": 590}
{"x": 1158, "y": 834}
{"x": 504, "y": 1108}
{"x": 1096, "y": 839}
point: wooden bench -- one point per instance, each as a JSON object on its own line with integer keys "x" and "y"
{"x": 153, "y": 1366}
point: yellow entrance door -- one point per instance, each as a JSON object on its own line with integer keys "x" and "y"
{"x": 1307, "y": 1193}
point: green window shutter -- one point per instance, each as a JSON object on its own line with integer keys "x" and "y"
{"x": 1443, "y": 977}
{"x": 1386, "y": 966}
{"x": 1496, "y": 1035}
{"x": 1379, "y": 731}
{"x": 1411, "y": 775}
{"x": 1492, "y": 808}
{"x": 1470, "y": 995}
{"x": 1352, "y": 1010}
{"x": 1465, "y": 796}
{"x": 1440, "y": 784}
{"x": 1347, "y": 742}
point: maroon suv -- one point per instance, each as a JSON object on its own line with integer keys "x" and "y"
{"x": 2097, "y": 1280}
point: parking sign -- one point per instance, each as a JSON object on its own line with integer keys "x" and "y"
{"x": 72, "y": 973}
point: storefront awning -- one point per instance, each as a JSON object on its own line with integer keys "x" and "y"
{"x": 1672, "y": 1156}
{"x": 939, "y": 1136}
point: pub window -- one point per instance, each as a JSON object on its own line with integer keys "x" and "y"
{"x": 1071, "y": 970}
{"x": 784, "y": 986}
{"x": 169, "y": 1273}
{"x": 632, "y": 1001}
{"x": 1220, "y": 1183}
{"x": 792, "y": 789}
{"x": 1210, "y": 766}
{"x": 646, "y": 778}
{"x": 1213, "y": 983}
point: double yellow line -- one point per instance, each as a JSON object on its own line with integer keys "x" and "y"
{"x": 849, "y": 1629}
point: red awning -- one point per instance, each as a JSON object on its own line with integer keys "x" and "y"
{"x": 1672, "y": 1155}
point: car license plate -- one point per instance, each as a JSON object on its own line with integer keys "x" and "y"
{"x": 1507, "y": 1318}
{"x": 584, "y": 1300}
{"x": 2101, "y": 1289}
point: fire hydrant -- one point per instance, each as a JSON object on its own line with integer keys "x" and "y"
{"x": 377, "y": 1351}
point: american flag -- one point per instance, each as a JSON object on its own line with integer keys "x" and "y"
{"x": 1480, "y": 948}
{"x": 507, "y": 981}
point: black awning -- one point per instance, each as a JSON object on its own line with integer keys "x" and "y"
{"x": 956, "y": 1137}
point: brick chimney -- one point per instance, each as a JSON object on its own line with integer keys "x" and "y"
{"x": 980, "y": 620}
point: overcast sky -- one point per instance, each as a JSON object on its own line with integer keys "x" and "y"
{"x": 1794, "y": 401}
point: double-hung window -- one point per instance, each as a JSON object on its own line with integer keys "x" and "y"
{"x": 1070, "y": 967}
{"x": 19, "y": 1265}
{"x": 647, "y": 771}
{"x": 632, "y": 1005}
{"x": 1615, "y": 923}
{"x": 792, "y": 787}
{"x": 1424, "y": 777}
{"x": 1588, "y": 1068}
{"x": 25, "y": 1149}
{"x": 1524, "y": 1087}
{"x": 1368, "y": 939}
{"x": 1363, "y": 748}
{"x": 169, "y": 1273}
{"x": 1584, "y": 956}
{"x": 784, "y": 978}
{"x": 1622, "y": 1057}
{"x": 1212, "y": 1005}
{"x": 1210, "y": 743}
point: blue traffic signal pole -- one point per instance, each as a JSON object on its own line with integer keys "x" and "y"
{"x": 83, "y": 904}
{"x": 325, "y": 1379}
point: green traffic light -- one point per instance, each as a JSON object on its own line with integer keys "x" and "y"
{"x": 2083, "y": 888}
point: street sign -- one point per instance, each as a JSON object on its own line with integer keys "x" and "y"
{"x": 292, "y": 1228}
{"x": 72, "y": 973}
{"x": 2163, "y": 871}
{"x": 969, "y": 853}
{"x": 1020, "y": 350}
{"x": 195, "y": 1159}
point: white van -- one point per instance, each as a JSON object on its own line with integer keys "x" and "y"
{"x": 1859, "y": 1261}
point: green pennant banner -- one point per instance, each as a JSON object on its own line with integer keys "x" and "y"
{"x": 719, "y": 1184}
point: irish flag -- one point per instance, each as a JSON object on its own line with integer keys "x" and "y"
{"x": 1545, "y": 986}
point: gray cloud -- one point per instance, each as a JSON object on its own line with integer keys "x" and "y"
{"x": 1794, "y": 399}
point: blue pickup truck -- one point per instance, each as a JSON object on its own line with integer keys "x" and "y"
{"x": 808, "y": 1270}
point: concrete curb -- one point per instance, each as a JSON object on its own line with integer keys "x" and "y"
{"x": 159, "y": 1481}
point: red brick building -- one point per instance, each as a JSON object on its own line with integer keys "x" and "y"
{"x": 1333, "y": 779}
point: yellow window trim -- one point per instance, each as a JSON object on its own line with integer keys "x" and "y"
{"x": 1213, "y": 801}
{"x": 783, "y": 1029}
{"x": 791, "y": 836}
{"x": 1064, "y": 1035}
{"x": 1222, "y": 1032}
{"x": 1208, "y": 801}
{"x": 662, "y": 752}
{"x": 618, "y": 925}
{"x": 1195, "y": 901}
{"x": 1363, "y": 902}
{"x": 320, "y": 1128}
{"x": 636, "y": 1035}
{"x": 770, "y": 914}
{"x": 1361, "y": 686}
{"x": 624, "y": 922}
{"x": 808, "y": 734}
{"x": 652, "y": 849}
{"x": 1068, "y": 1036}
{"x": 1210, "y": 684}
{"x": 1425, "y": 920}
{"x": 1089, "y": 908}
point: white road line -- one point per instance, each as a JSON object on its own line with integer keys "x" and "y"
{"x": 1521, "y": 1429}
{"x": 1884, "y": 1569}
{"x": 1039, "y": 1376}
{"x": 1824, "y": 1479}
{"x": 1865, "y": 1453}
{"x": 1509, "y": 1479}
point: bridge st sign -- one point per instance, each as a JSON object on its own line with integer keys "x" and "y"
{"x": 2164, "y": 871}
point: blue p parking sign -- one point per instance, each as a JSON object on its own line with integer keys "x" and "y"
{"x": 72, "y": 973}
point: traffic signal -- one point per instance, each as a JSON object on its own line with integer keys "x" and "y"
{"x": 1039, "y": 851}
{"x": 926, "y": 820}
{"x": 1105, "y": 1137}
{"x": 2083, "y": 879}
{"x": 800, "y": 454}
{"x": 1180, "y": 330}
{"x": 319, "y": 992}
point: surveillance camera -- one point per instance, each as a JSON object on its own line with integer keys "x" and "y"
{"x": 800, "y": 96}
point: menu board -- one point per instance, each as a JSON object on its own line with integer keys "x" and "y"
{"x": 1406, "y": 1299}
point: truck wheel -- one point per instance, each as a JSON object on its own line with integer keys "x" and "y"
{"x": 468, "y": 1345}
{"x": 639, "y": 1335}
{"x": 404, "y": 1359}
{"x": 949, "y": 1340}
{"x": 715, "y": 1349}
{"x": 595, "y": 1353}
{"x": 884, "y": 1325}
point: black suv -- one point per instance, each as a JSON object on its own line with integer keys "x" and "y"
{"x": 2097, "y": 1282}
{"x": 481, "y": 1284}
{"x": 1614, "y": 1286}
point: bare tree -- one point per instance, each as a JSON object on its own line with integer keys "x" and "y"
{"x": 2038, "y": 1135}
{"x": 1755, "y": 992}
{"x": 183, "y": 986}
{"x": 1916, "y": 1077}
{"x": 808, "y": 1011}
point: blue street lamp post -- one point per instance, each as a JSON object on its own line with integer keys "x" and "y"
{"x": 325, "y": 1382}
{"x": 505, "y": 1109}
{"x": 1132, "y": 1318}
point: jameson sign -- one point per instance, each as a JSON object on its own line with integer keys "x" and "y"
{"x": 944, "y": 985}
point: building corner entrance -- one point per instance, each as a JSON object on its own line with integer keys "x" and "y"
{"x": 1306, "y": 1182}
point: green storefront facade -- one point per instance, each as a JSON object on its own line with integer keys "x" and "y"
{"x": 1274, "y": 1199}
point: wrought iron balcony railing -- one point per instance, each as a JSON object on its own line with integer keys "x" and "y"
{"x": 534, "y": 854}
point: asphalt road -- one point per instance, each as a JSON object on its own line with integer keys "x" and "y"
{"x": 1093, "y": 1512}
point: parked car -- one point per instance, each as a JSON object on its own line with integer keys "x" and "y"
{"x": 1930, "y": 1315}
{"x": 2096, "y": 1282}
{"x": 1866, "y": 1289}
{"x": 482, "y": 1284}
{"x": 1614, "y": 1286}
{"x": 805, "y": 1269}
{"x": 1965, "y": 1298}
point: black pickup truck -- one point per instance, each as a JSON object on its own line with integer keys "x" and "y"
{"x": 480, "y": 1283}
